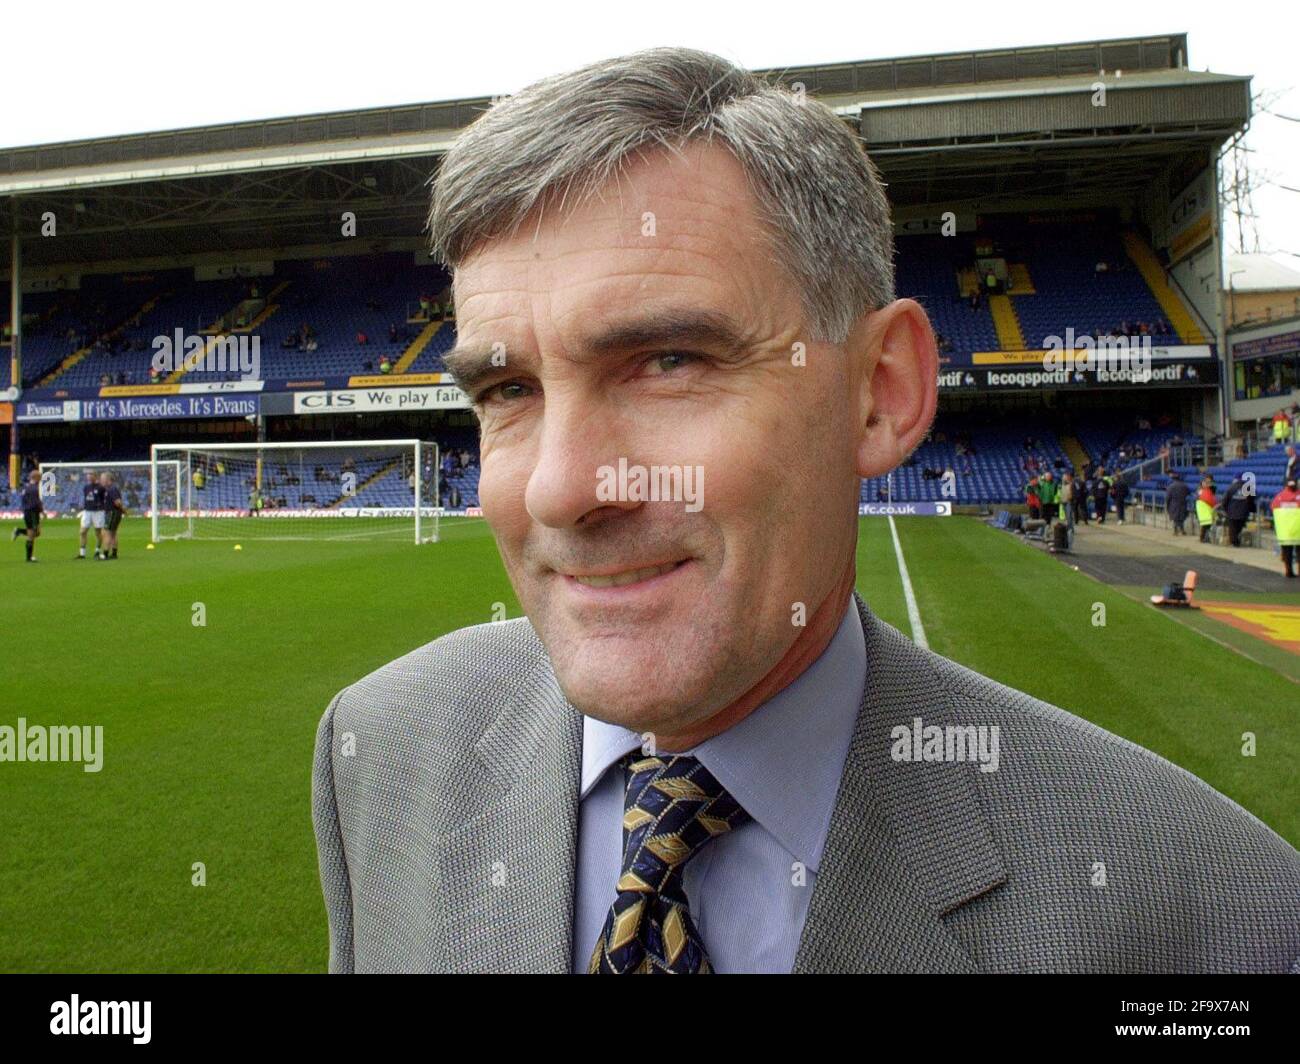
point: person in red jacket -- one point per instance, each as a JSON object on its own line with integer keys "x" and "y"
{"x": 1031, "y": 497}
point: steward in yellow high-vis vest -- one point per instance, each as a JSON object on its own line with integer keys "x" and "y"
{"x": 1286, "y": 524}
{"x": 1205, "y": 504}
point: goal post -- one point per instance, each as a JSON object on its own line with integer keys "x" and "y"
{"x": 305, "y": 490}
{"x": 60, "y": 484}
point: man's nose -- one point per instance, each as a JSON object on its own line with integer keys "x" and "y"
{"x": 579, "y": 437}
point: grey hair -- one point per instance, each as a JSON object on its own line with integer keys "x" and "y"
{"x": 563, "y": 138}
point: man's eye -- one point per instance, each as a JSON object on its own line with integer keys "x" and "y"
{"x": 507, "y": 391}
{"x": 671, "y": 360}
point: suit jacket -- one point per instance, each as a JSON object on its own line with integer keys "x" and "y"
{"x": 445, "y": 801}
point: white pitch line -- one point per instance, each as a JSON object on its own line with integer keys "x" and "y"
{"x": 913, "y": 614}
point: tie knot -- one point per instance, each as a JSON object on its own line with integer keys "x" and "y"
{"x": 672, "y": 807}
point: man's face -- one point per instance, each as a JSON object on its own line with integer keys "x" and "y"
{"x": 657, "y": 327}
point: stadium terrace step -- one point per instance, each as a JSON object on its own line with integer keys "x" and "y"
{"x": 1079, "y": 457}
{"x": 417, "y": 345}
{"x": 176, "y": 375}
{"x": 1170, "y": 302}
{"x": 266, "y": 312}
{"x": 1010, "y": 338}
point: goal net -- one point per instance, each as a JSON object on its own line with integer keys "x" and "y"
{"x": 366, "y": 489}
{"x": 61, "y": 484}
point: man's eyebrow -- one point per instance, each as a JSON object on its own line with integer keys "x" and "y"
{"x": 470, "y": 364}
{"x": 704, "y": 328}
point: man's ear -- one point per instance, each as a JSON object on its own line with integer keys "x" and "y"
{"x": 900, "y": 386}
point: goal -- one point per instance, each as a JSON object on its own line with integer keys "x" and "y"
{"x": 366, "y": 489}
{"x": 61, "y": 484}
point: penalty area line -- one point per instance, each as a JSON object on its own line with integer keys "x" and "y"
{"x": 913, "y": 613}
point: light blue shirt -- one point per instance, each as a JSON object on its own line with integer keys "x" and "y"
{"x": 749, "y": 889}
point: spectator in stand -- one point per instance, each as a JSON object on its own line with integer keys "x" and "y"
{"x": 1082, "y": 492}
{"x": 1120, "y": 490}
{"x": 392, "y": 332}
{"x": 1238, "y": 504}
{"x": 1101, "y": 495}
{"x": 363, "y": 339}
{"x": 1176, "y": 496}
{"x": 1032, "y": 499}
{"x": 1292, "y": 471}
{"x": 1286, "y": 524}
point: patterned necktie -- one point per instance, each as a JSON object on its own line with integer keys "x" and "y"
{"x": 673, "y": 806}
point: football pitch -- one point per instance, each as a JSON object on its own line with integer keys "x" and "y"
{"x": 208, "y": 728}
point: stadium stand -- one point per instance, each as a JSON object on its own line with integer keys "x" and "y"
{"x": 927, "y": 269}
{"x": 993, "y": 467}
{"x": 1069, "y": 291}
{"x": 103, "y": 333}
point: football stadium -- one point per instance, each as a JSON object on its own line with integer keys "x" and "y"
{"x": 227, "y": 343}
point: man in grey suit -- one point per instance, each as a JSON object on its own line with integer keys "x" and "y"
{"x": 700, "y": 751}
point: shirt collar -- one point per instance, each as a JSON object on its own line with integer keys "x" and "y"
{"x": 783, "y": 762}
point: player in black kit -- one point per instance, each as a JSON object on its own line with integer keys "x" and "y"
{"x": 32, "y": 510}
{"x": 114, "y": 511}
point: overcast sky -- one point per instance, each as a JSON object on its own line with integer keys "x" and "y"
{"x": 76, "y": 70}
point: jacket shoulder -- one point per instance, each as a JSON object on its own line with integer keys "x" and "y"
{"x": 460, "y": 679}
{"x": 1107, "y": 834}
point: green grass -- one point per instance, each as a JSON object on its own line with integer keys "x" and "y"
{"x": 208, "y": 730}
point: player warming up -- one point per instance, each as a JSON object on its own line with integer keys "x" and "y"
{"x": 92, "y": 513}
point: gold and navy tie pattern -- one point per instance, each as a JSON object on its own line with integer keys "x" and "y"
{"x": 673, "y": 806}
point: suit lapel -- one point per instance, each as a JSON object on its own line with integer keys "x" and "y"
{"x": 908, "y": 842}
{"x": 507, "y": 874}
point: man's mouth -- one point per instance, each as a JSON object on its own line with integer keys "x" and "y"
{"x": 626, "y": 576}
